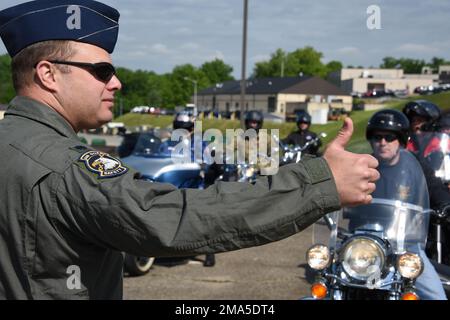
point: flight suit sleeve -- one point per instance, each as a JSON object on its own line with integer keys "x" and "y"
{"x": 153, "y": 219}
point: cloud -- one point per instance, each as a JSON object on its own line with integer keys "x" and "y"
{"x": 349, "y": 51}
{"x": 182, "y": 31}
{"x": 159, "y": 34}
{"x": 216, "y": 55}
{"x": 159, "y": 48}
{"x": 191, "y": 46}
{"x": 416, "y": 48}
{"x": 260, "y": 57}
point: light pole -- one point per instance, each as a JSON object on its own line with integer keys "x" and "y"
{"x": 195, "y": 93}
{"x": 244, "y": 61}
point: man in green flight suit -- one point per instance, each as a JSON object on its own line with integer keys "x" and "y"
{"x": 67, "y": 211}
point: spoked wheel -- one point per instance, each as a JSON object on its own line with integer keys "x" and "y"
{"x": 138, "y": 266}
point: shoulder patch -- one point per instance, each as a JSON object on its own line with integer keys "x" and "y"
{"x": 102, "y": 164}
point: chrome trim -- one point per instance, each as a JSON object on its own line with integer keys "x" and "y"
{"x": 361, "y": 286}
{"x": 397, "y": 204}
{"x": 178, "y": 167}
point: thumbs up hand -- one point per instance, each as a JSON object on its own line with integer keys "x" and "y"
{"x": 354, "y": 174}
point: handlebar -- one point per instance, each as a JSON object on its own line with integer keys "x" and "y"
{"x": 442, "y": 213}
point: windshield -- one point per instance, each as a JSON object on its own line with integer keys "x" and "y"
{"x": 398, "y": 213}
{"x": 147, "y": 144}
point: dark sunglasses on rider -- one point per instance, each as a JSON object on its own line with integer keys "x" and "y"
{"x": 388, "y": 137}
{"x": 103, "y": 71}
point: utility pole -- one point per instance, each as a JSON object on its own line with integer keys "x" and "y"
{"x": 244, "y": 61}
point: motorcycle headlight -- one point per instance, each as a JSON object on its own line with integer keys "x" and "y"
{"x": 318, "y": 257}
{"x": 410, "y": 265}
{"x": 249, "y": 172}
{"x": 362, "y": 257}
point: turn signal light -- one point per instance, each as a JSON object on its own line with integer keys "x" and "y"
{"x": 410, "y": 296}
{"x": 319, "y": 290}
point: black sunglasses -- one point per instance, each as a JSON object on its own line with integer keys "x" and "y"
{"x": 103, "y": 71}
{"x": 387, "y": 137}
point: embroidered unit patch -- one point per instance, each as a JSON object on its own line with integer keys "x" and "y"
{"x": 102, "y": 164}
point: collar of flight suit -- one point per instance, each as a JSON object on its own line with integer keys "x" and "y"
{"x": 34, "y": 110}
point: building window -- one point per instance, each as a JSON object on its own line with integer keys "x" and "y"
{"x": 271, "y": 104}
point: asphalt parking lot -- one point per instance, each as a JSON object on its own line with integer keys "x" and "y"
{"x": 274, "y": 271}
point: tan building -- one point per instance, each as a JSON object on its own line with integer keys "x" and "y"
{"x": 281, "y": 97}
{"x": 358, "y": 80}
{"x": 444, "y": 74}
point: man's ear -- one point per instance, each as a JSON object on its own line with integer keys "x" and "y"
{"x": 45, "y": 75}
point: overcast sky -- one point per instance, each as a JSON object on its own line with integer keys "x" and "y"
{"x": 160, "y": 34}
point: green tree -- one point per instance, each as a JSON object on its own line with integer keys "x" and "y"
{"x": 272, "y": 68}
{"x": 178, "y": 87}
{"x": 389, "y": 63}
{"x": 436, "y": 62}
{"x": 217, "y": 71}
{"x": 407, "y": 64}
{"x": 333, "y": 66}
{"x": 306, "y": 61}
{"x": 138, "y": 88}
{"x": 7, "y": 91}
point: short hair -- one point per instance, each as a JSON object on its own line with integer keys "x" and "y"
{"x": 23, "y": 63}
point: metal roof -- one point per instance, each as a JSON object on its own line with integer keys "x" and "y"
{"x": 294, "y": 85}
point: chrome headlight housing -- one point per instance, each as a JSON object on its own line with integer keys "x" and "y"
{"x": 361, "y": 257}
{"x": 410, "y": 265}
{"x": 318, "y": 257}
{"x": 246, "y": 172}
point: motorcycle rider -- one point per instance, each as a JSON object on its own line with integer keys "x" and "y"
{"x": 444, "y": 122}
{"x": 387, "y": 133}
{"x": 254, "y": 119}
{"x": 303, "y": 134}
{"x": 185, "y": 120}
{"x": 422, "y": 116}
{"x": 182, "y": 120}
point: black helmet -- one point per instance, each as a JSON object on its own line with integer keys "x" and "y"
{"x": 303, "y": 117}
{"x": 422, "y": 108}
{"x": 389, "y": 120}
{"x": 183, "y": 120}
{"x": 254, "y": 115}
{"x": 444, "y": 121}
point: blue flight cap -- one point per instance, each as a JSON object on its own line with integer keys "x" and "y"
{"x": 78, "y": 20}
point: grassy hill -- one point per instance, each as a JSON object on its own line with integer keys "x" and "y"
{"x": 360, "y": 118}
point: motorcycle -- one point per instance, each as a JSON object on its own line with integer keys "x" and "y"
{"x": 293, "y": 154}
{"x": 435, "y": 151}
{"x": 371, "y": 251}
{"x": 153, "y": 159}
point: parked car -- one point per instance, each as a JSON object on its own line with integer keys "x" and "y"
{"x": 147, "y": 153}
